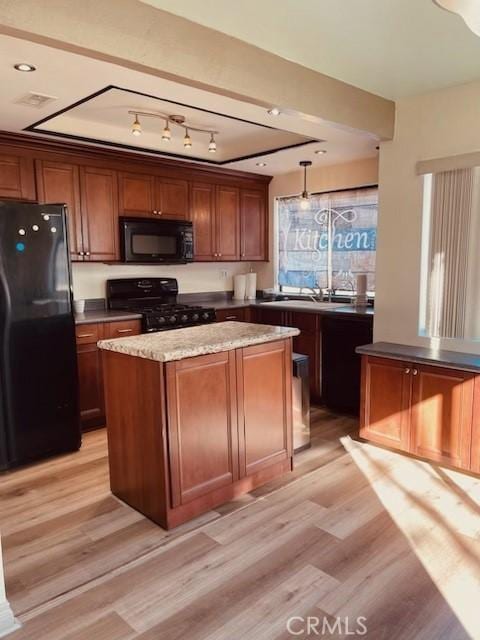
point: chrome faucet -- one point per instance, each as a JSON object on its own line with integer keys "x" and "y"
{"x": 329, "y": 293}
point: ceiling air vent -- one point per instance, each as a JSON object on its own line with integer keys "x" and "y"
{"x": 38, "y": 100}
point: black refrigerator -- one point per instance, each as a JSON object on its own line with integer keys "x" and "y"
{"x": 38, "y": 369}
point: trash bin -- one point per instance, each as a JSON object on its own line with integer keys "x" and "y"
{"x": 300, "y": 402}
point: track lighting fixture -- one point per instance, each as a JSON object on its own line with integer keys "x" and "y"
{"x": 176, "y": 120}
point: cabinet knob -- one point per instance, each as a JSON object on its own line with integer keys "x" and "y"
{"x": 159, "y": 213}
{"x": 415, "y": 372}
{"x": 219, "y": 255}
{"x": 407, "y": 370}
{"x": 87, "y": 253}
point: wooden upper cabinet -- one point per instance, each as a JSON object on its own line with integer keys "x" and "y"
{"x": 442, "y": 413}
{"x": 59, "y": 183}
{"x": 136, "y": 194}
{"x": 227, "y": 223}
{"x": 17, "y": 177}
{"x": 203, "y": 444}
{"x": 202, "y": 214}
{"x": 264, "y": 382}
{"x": 99, "y": 201}
{"x": 172, "y": 198}
{"x": 386, "y": 400}
{"x": 253, "y": 223}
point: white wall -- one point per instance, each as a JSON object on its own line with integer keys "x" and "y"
{"x": 89, "y": 279}
{"x": 357, "y": 173}
{"x": 437, "y": 124}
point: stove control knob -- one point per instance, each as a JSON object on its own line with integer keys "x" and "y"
{"x": 172, "y": 319}
{"x": 184, "y": 318}
{"x": 161, "y": 320}
{"x": 195, "y": 317}
{"x": 205, "y": 315}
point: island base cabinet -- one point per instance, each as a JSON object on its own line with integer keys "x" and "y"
{"x": 187, "y": 436}
{"x": 427, "y": 411}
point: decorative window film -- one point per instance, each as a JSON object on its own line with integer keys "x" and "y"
{"x": 329, "y": 244}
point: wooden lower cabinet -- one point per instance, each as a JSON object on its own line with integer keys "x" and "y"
{"x": 187, "y": 436}
{"x": 420, "y": 409}
{"x": 386, "y": 401}
{"x": 264, "y": 381}
{"x": 203, "y": 433}
{"x": 89, "y": 367}
{"x": 442, "y": 412}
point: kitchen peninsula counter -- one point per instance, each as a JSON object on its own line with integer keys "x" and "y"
{"x": 197, "y": 416}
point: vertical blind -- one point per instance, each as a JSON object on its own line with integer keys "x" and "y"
{"x": 450, "y": 223}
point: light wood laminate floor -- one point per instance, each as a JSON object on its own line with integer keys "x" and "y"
{"x": 354, "y": 531}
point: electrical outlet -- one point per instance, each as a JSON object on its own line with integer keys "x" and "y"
{"x": 223, "y": 275}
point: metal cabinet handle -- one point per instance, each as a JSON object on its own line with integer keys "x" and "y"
{"x": 85, "y": 335}
{"x": 81, "y": 253}
{"x": 124, "y": 330}
{"x": 415, "y": 372}
{"x": 407, "y": 370}
{"x": 219, "y": 255}
{"x": 87, "y": 253}
{"x": 154, "y": 212}
{"x": 159, "y": 213}
{"x": 231, "y": 317}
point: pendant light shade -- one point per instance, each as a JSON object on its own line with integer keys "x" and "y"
{"x": 187, "y": 141}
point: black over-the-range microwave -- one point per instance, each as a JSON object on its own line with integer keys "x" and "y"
{"x": 156, "y": 241}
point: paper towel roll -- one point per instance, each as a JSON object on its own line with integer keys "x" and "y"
{"x": 239, "y": 286}
{"x": 251, "y": 286}
{"x": 361, "y": 284}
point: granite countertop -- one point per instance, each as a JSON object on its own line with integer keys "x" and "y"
{"x": 422, "y": 355}
{"x": 177, "y": 344}
{"x": 102, "y": 315}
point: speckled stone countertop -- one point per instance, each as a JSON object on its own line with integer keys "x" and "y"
{"x": 422, "y": 355}
{"x": 177, "y": 344}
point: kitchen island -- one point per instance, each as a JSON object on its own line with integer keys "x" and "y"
{"x": 197, "y": 416}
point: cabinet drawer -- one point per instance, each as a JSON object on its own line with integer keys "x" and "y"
{"x": 122, "y": 329}
{"x": 88, "y": 333}
{"x": 239, "y": 315}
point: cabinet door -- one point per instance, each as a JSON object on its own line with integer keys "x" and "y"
{"x": 172, "y": 198}
{"x": 264, "y": 381}
{"x": 202, "y": 214}
{"x": 341, "y": 366}
{"x": 17, "y": 178}
{"x": 136, "y": 194}
{"x": 253, "y": 221}
{"x": 99, "y": 197}
{"x": 386, "y": 401}
{"x": 266, "y": 315}
{"x": 59, "y": 183}
{"x": 201, "y": 397}
{"x": 227, "y": 223}
{"x": 308, "y": 343}
{"x": 90, "y": 385}
{"x": 442, "y": 415}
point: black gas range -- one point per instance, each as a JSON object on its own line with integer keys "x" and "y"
{"x": 156, "y": 300}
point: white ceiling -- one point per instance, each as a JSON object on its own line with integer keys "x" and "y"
{"x": 70, "y": 78}
{"x": 393, "y": 48}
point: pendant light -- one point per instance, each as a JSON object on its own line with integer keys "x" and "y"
{"x": 187, "y": 141}
{"x": 136, "y": 126}
{"x": 166, "y": 133}
{"x": 305, "y": 198}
